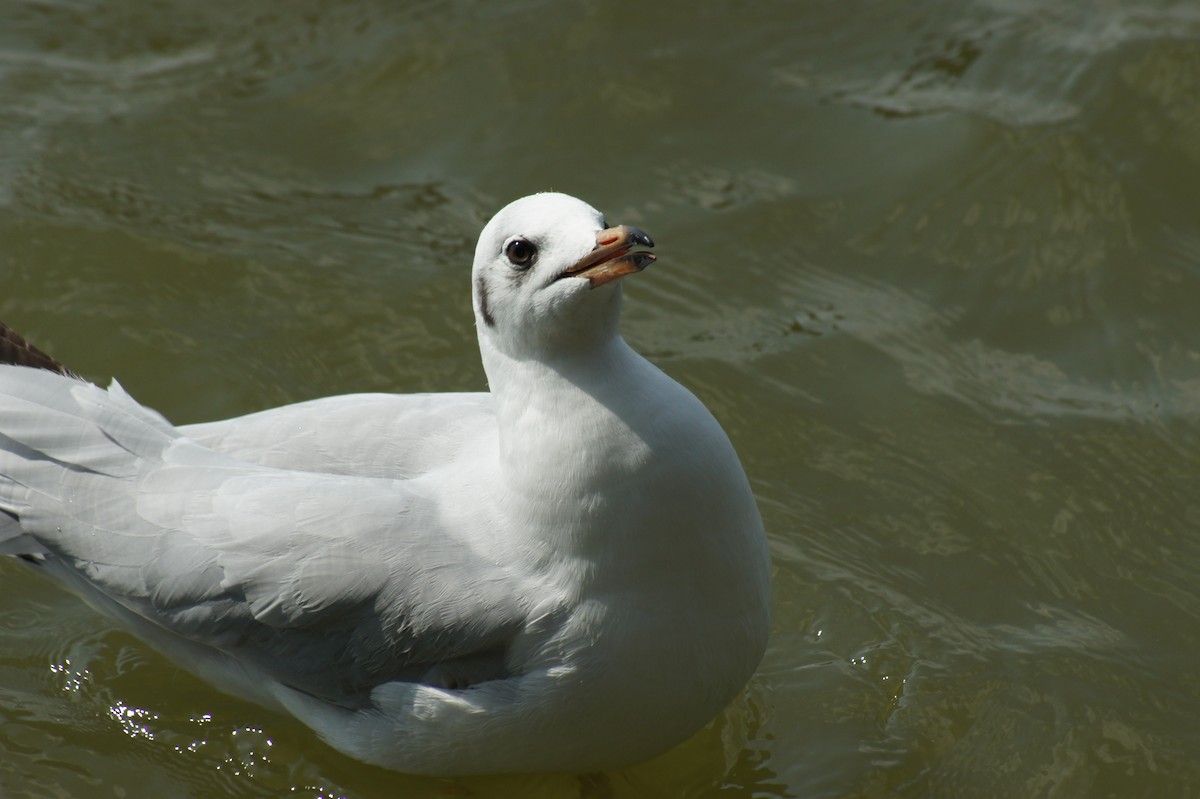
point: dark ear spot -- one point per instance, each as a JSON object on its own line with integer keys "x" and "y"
{"x": 484, "y": 310}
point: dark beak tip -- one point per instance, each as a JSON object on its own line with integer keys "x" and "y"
{"x": 643, "y": 259}
{"x": 639, "y": 236}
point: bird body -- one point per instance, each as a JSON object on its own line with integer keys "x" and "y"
{"x": 568, "y": 572}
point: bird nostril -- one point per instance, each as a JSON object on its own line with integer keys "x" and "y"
{"x": 607, "y": 237}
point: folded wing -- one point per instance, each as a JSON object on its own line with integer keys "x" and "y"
{"x": 369, "y": 435}
{"x": 330, "y": 584}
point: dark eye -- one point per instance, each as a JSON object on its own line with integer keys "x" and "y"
{"x": 520, "y": 253}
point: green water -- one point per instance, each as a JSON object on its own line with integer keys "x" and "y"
{"x": 934, "y": 264}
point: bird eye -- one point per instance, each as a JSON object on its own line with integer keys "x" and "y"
{"x": 520, "y": 253}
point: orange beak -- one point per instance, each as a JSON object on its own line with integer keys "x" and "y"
{"x": 613, "y": 256}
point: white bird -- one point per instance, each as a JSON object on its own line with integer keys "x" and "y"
{"x": 566, "y": 573}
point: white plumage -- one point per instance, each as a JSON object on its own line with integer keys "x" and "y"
{"x": 566, "y": 573}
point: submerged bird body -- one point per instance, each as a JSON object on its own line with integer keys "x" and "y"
{"x": 566, "y": 573}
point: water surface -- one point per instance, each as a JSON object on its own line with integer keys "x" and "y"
{"x": 934, "y": 265}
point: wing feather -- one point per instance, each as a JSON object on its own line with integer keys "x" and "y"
{"x": 329, "y": 583}
{"x": 370, "y": 435}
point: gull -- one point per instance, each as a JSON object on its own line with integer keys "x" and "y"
{"x": 565, "y": 573}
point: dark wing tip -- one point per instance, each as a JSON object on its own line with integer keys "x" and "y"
{"x": 15, "y": 350}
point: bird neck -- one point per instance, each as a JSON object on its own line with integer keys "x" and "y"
{"x": 576, "y": 422}
{"x": 557, "y": 392}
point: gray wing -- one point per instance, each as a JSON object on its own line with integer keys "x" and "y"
{"x": 330, "y": 584}
{"x": 371, "y": 435}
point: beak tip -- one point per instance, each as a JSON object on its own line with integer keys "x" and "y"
{"x": 639, "y": 236}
